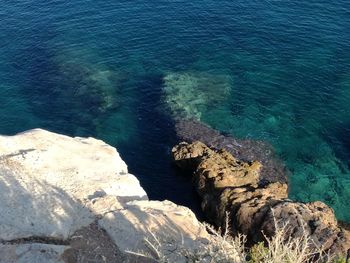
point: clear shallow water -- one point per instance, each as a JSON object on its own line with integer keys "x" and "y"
{"x": 121, "y": 70}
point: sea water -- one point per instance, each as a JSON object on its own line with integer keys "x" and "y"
{"x": 122, "y": 71}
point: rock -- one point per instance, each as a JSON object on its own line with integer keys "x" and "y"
{"x": 188, "y": 94}
{"x": 234, "y": 188}
{"x": 316, "y": 219}
{"x": 215, "y": 170}
{"x": 92, "y": 243}
{"x": 188, "y": 156}
{"x": 45, "y": 175}
{"x": 82, "y": 77}
{"x": 69, "y": 199}
{"x": 89, "y": 83}
{"x": 220, "y": 170}
{"x": 159, "y": 223}
{"x": 245, "y": 205}
{"x": 34, "y": 252}
{"x": 273, "y": 169}
{"x": 83, "y": 91}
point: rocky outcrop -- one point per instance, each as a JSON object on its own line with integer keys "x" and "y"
{"x": 316, "y": 218}
{"x": 273, "y": 169}
{"x": 230, "y": 186}
{"x": 188, "y": 94}
{"x": 215, "y": 170}
{"x": 69, "y": 199}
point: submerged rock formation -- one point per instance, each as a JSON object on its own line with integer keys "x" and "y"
{"x": 229, "y": 185}
{"x": 69, "y": 199}
{"x": 191, "y": 94}
{"x": 90, "y": 84}
{"x": 82, "y": 87}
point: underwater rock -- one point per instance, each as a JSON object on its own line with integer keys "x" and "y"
{"x": 230, "y": 186}
{"x": 191, "y": 94}
{"x": 73, "y": 87}
{"x": 273, "y": 169}
{"x": 90, "y": 84}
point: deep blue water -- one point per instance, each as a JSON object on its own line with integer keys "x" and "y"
{"x": 122, "y": 70}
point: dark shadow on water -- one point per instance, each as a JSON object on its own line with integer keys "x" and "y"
{"x": 338, "y": 138}
{"x": 150, "y": 157}
{"x": 43, "y": 90}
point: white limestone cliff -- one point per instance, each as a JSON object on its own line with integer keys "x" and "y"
{"x": 69, "y": 199}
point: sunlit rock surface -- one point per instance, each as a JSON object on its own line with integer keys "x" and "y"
{"x": 232, "y": 187}
{"x": 272, "y": 170}
{"x": 216, "y": 170}
{"x": 72, "y": 200}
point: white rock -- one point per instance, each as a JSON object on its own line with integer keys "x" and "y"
{"x": 48, "y": 180}
{"x": 168, "y": 227}
{"x": 78, "y": 192}
{"x": 27, "y": 253}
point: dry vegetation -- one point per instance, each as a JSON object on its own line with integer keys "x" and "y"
{"x": 227, "y": 249}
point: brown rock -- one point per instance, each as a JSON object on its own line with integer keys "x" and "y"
{"x": 273, "y": 169}
{"x": 315, "y": 219}
{"x": 246, "y": 206}
{"x": 215, "y": 170}
{"x": 220, "y": 170}
{"x": 188, "y": 156}
{"x": 229, "y": 186}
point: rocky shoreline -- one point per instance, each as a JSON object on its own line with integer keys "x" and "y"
{"x": 254, "y": 205}
{"x": 273, "y": 169}
{"x": 71, "y": 200}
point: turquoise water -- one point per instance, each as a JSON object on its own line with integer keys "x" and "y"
{"x": 121, "y": 71}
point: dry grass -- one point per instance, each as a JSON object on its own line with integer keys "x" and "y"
{"x": 283, "y": 248}
{"x": 224, "y": 248}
